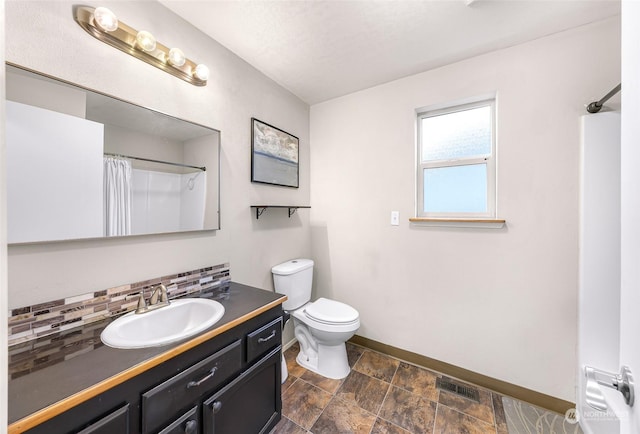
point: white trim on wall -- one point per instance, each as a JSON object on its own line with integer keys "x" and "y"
{"x": 4, "y": 306}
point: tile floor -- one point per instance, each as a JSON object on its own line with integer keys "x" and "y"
{"x": 381, "y": 395}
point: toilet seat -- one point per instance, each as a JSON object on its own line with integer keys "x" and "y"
{"x": 333, "y": 316}
{"x": 331, "y": 312}
{"x": 342, "y": 327}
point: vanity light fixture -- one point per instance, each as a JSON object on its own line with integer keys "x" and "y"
{"x": 103, "y": 24}
{"x": 146, "y": 41}
{"x": 105, "y": 19}
{"x": 177, "y": 57}
{"x": 202, "y": 72}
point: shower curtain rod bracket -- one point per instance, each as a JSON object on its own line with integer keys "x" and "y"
{"x": 595, "y": 106}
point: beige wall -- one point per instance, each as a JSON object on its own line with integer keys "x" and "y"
{"x": 198, "y": 152}
{"x": 120, "y": 140}
{"x": 46, "y": 95}
{"x": 498, "y": 302}
{"x": 43, "y": 36}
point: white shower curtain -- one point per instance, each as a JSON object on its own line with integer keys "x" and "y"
{"x": 117, "y": 196}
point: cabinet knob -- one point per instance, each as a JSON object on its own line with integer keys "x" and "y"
{"x": 217, "y": 405}
{"x": 191, "y": 427}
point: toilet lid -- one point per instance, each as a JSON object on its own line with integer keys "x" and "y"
{"x": 331, "y": 311}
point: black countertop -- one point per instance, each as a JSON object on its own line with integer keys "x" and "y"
{"x": 54, "y": 382}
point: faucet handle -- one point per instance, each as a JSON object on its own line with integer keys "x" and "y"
{"x": 142, "y": 303}
{"x": 164, "y": 298}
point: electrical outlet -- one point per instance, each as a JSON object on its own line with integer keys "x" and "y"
{"x": 395, "y": 218}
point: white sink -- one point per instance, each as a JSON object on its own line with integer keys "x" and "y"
{"x": 172, "y": 323}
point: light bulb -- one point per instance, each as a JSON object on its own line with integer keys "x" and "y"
{"x": 105, "y": 19}
{"x": 176, "y": 57}
{"x": 202, "y": 72}
{"x": 146, "y": 40}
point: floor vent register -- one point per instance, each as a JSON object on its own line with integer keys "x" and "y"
{"x": 463, "y": 390}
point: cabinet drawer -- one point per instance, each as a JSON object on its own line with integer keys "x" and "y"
{"x": 118, "y": 421}
{"x": 263, "y": 339}
{"x": 186, "y": 424}
{"x": 162, "y": 402}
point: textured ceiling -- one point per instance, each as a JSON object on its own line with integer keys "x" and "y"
{"x": 321, "y": 49}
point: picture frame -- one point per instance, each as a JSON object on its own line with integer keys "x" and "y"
{"x": 274, "y": 155}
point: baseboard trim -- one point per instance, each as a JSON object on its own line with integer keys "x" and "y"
{"x": 287, "y": 345}
{"x": 536, "y": 398}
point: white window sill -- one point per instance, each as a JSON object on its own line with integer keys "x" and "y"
{"x": 458, "y": 223}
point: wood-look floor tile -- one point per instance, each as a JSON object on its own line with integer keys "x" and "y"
{"x": 384, "y": 427}
{"x": 353, "y": 353}
{"x": 290, "y": 358}
{"x": 295, "y": 347}
{"x": 343, "y": 417}
{"x": 303, "y": 403}
{"x": 328, "y": 384}
{"x": 288, "y": 382}
{"x": 409, "y": 411}
{"x": 416, "y": 380}
{"x": 286, "y": 426}
{"x": 498, "y": 410}
{"x": 367, "y": 392}
{"x": 377, "y": 365}
{"x": 482, "y": 410}
{"x": 451, "y": 421}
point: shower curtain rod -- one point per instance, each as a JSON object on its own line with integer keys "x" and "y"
{"x": 203, "y": 168}
{"x": 595, "y": 106}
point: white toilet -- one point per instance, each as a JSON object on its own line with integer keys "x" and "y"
{"x": 321, "y": 327}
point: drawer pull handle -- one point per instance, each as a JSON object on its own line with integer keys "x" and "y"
{"x": 261, "y": 340}
{"x": 203, "y": 379}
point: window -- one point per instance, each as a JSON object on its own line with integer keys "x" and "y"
{"x": 456, "y": 162}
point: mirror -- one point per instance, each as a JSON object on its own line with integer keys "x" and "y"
{"x": 81, "y": 164}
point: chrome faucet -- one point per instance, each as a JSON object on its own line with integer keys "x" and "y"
{"x": 157, "y": 300}
{"x": 159, "y": 296}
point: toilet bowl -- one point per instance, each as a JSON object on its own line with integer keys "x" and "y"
{"x": 321, "y": 327}
{"x": 322, "y": 340}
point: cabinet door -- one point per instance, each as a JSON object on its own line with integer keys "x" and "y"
{"x": 186, "y": 424}
{"x": 116, "y": 422}
{"x": 250, "y": 404}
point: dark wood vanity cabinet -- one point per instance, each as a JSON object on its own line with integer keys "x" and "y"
{"x": 188, "y": 423}
{"x": 189, "y": 385}
{"x": 115, "y": 422}
{"x": 229, "y": 384}
{"x": 250, "y": 404}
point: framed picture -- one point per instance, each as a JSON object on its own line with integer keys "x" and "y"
{"x": 274, "y": 155}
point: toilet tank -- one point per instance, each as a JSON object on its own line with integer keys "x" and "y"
{"x": 293, "y": 279}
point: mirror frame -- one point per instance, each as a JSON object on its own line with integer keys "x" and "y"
{"x": 88, "y": 89}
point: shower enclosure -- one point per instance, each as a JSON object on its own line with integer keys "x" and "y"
{"x": 599, "y": 293}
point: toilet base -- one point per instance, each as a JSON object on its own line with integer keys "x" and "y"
{"x": 284, "y": 371}
{"x": 329, "y": 361}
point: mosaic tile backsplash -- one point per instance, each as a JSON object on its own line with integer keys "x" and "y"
{"x": 32, "y": 322}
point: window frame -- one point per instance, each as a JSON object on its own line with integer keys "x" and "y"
{"x": 489, "y": 160}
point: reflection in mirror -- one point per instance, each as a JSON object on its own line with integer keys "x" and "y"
{"x": 81, "y": 164}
